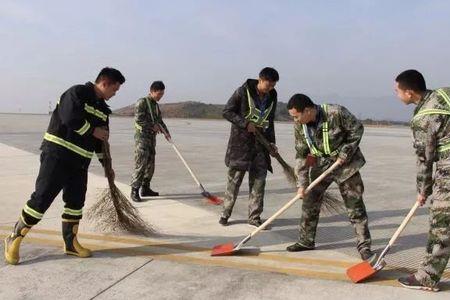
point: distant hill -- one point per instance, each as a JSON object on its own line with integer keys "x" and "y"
{"x": 199, "y": 110}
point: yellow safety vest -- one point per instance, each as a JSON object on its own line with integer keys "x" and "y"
{"x": 325, "y": 135}
{"x": 255, "y": 115}
{"x": 442, "y": 145}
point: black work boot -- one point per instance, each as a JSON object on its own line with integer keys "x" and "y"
{"x": 12, "y": 242}
{"x": 146, "y": 191}
{"x": 223, "y": 221}
{"x": 135, "y": 195}
{"x": 71, "y": 244}
{"x": 297, "y": 247}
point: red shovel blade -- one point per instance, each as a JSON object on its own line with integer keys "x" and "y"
{"x": 224, "y": 249}
{"x": 360, "y": 272}
{"x": 212, "y": 199}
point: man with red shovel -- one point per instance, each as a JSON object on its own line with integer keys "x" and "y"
{"x": 325, "y": 134}
{"x": 251, "y": 106}
{"x": 431, "y": 131}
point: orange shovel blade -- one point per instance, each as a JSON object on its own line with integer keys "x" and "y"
{"x": 360, "y": 272}
{"x": 212, "y": 199}
{"x": 224, "y": 249}
{"x": 215, "y": 200}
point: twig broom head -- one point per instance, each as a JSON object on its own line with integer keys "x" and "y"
{"x": 113, "y": 211}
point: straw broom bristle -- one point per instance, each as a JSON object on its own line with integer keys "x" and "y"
{"x": 113, "y": 211}
{"x": 288, "y": 172}
{"x": 331, "y": 204}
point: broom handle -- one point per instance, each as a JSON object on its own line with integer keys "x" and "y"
{"x": 107, "y": 161}
{"x": 182, "y": 159}
{"x": 186, "y": 165}
{"x": 293, "y": 200}
{"x": 260, "y": 137}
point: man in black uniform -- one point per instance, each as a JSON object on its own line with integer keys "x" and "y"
{"x": 78, "y": 126}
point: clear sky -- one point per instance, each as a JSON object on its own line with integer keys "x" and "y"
{"x": 346, "y": 52}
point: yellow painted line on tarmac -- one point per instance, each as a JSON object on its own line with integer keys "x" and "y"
{"x": 212, "y": 261}
{"x": 207, "y": 261}
{"x": 149, "y": 242}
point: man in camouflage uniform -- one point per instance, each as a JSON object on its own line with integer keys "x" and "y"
{"x": 148, "y": 123}
{"x": 431, "y": 132}
{"x": 251, "y": 107}
{"x": 325, "y": 134}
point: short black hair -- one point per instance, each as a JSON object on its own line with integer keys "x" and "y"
{"x": 269, "y": 74}
{"x": 411, "y": 80}
{"x": 157, "y": 86}
{"x": 300, "y": 102}
{"x": 111, "y": 74}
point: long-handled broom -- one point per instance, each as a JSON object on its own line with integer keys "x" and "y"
{"x": 210, "y": 197}
{"x": 330, "y": 203}
{"x": 230, "y": 248}
{"x": 287, "y": 169}
{"x": 113, "y": 211}
{"x": 364, "y": 270}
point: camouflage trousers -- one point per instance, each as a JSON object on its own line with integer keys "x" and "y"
{"x": 351, "y": 190}
{"x": 256, "y": 182}
{"x": 144, "y": 159}
{"x": 438, "y": 245}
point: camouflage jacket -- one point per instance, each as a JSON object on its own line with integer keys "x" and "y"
{"x": 430, "y": 131}
{"x": 146, "y": 115}
{"x": 345, "y": 132}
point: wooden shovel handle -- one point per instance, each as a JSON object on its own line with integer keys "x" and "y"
{"x": 404, "y": 223}
{"x": 293, "y": 200}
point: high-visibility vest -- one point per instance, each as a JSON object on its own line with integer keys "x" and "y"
{"x": 255, "y": 115}
{"x": 154, "y": 115}
{"x": 325, "y": 135}
{"x": 443, "y": 145}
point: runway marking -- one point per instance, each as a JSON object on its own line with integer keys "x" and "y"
{"x": 250, "y": 263}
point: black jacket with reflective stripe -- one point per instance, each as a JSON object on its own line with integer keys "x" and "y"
{"x": 69, "y": 133}
{"x": 242, "y": 145}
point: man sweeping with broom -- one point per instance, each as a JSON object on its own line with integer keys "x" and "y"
{"x": 251, "y": 107}
{"x": 325, "y": 134}
{"x": 431, "y": 132}
{"x": 148, "y": 123}
{"x": 78, "y": 126}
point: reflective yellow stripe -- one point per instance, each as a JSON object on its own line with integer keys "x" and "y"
{"x": 73, "y": 212}
{"x": 431, "y": 111}
{"x": 267, "y": 114}
{"x": 138, "y": 127}
{"x": 311, "y": 146}
{"x": 443, "y": 148}
{"x": 259, "y": 121}
{"x": 325, "y": 136}
{"x": 57, "y": 140}
{"x": 444, "y": 95}
{"x": 70, "y": 221}
{"x": 100, "y": 155}
{"x": 95, "y": 112}
{"x": 32, "y": 212}
{"x": 150, "y": 109}
{"x": 326, "y": 139}
{"x": 84, "y": 128}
